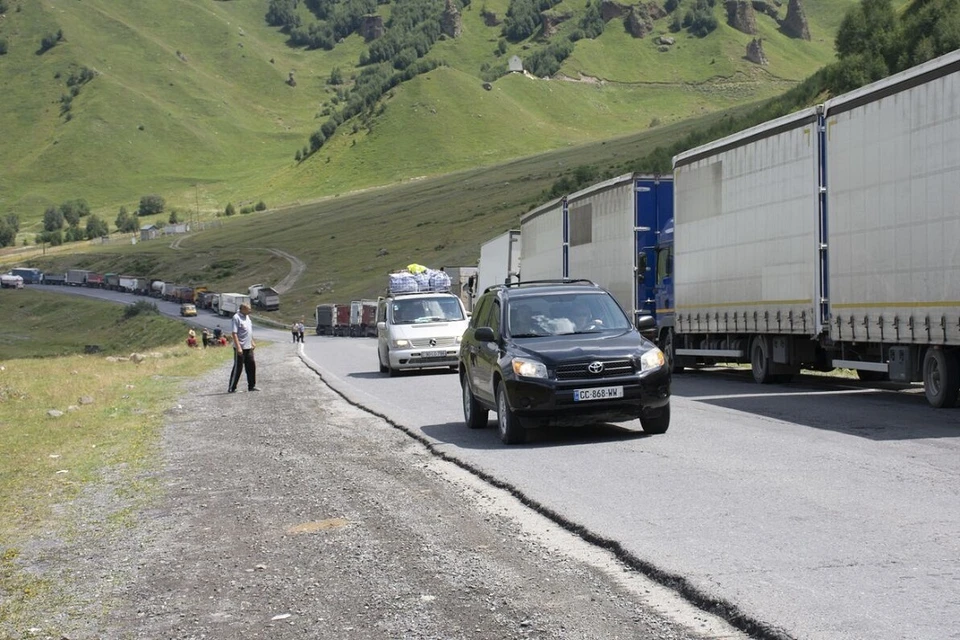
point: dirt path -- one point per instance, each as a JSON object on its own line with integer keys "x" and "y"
{"x": 289, "y": 513}
{"x": 297, "y": 268}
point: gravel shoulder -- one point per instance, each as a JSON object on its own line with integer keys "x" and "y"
{"x": 291, "y": 513}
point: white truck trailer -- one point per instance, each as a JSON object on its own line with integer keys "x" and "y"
{"x": 499, "y": 260}
{"x": 828, "y": 238}
{"x": 227, "y": 304}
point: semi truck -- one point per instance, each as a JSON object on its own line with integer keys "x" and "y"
{"x": 77, "y": 277}
{"x": 499, "y": 260}
{"x": 267, "y": 299}
{"x": 333, "y": 319}
{"x": 363, "y": 318}
{"x": 29, "y": 274}
{"x": 827, "y": 238}
{"x": 227, "y": 304}
{"x": 11, "y": 281}
{"x": 607, "y": 233}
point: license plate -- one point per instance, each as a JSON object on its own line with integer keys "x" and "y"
{"x": 598, "y": 393}
{"x": 433, "y": 354}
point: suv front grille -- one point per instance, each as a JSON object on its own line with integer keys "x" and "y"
{"x": 580, "y": 370}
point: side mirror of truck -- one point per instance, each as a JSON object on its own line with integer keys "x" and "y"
{"x": 484, "y": 334}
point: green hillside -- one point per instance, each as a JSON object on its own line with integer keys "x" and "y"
{"x": 190, "y": 100}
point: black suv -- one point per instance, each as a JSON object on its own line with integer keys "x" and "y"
{"x": 559, "y": 352}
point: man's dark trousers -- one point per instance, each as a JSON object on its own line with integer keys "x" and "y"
{"x": 243, "y": 361}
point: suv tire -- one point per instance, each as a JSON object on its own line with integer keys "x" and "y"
{"x": 474, "y": 414}
{"x": 657, "y": 424}
{"x": 511, "y": 431}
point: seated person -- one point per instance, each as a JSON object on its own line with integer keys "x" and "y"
{"x": 583, "y": 320}
{"x": 521, "y": 321}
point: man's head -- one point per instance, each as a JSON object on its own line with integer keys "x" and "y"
{"x": 245, "y": 309}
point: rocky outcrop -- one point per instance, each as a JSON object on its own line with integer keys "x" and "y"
{"x": 638, "y": 22}
{"x": 655, "y": 11}
{"x": 490, "y": 18}
{"x": 551, "y": 20}
{"x": 451, "y": 23}
{"x": 755, "y": 52}
{"x": 767, "y": 7}
{"x": 741, "y": 16}
{"x": 371, "y": 27}
{"x": 795, "y": 24}
{"x": 609, "y": 9}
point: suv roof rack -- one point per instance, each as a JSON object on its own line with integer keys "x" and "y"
{"x": 557, "y": 281}
{"x": 397, "y": 294}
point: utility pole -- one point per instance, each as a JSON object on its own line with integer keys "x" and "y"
{"x": 196, "y": 187}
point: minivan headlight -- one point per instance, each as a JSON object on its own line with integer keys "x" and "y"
{"x": 401, "y": 343}
{"x": 651, "y": 360}
{"x": 529, "y": 368}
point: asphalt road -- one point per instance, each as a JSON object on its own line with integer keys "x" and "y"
{"x": 821, "y": 509}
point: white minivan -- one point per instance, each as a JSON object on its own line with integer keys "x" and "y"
{"x": 419, "y": 330}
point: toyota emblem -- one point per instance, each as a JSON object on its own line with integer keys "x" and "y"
{"x": 433, "y": 342}
{"x": 595, "y": 367}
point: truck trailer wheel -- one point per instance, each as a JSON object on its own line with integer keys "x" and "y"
{"x": 760, "y": 361}
{"x": 941, "y": 378}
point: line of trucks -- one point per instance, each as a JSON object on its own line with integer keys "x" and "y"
{"x": 224, "y": 304}
{"x": 828, "y": 238}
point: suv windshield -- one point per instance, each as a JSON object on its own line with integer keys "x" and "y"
{"x": 576, "y": 313}
{"x": 421, "y": 310}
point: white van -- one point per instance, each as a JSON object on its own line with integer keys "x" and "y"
{"x": 419, "y": 330}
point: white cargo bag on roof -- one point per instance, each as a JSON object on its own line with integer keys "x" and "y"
{"x": 402, "y": 282}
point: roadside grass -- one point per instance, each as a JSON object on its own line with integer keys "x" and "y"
{"x": 47, "y": 462}
{"x": 37, "y": 324}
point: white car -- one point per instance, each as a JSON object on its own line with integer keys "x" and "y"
{"x": 419, "y": 330}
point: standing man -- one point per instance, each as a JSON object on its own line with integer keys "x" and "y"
{"x": 243, "y": 345}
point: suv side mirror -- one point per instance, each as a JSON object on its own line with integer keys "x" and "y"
{"x": 484, "y": 334}
{"x": 646, "y": 323}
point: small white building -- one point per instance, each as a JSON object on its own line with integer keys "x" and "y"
{"x": 149, "y": 232}
{"x": 515, "y": 64}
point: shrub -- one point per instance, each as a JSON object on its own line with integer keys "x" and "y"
{"x": 3, "y": 46}
{"x": 7, "y": 234}
{"x": 230, "y": 210}
{"x": 151, "y": 204}
{"x": 141, "y": 308}
{"x": 261, "y": 206}
{"x": 96, "y": 228}
{"x": 52, "y": 219}
{"x": 245, "y": 210}
{"x": 48, "y": 42}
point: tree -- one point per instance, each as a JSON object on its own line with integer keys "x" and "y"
{"x": 52, "y": 219}
{"x": 230, "y": 210}
{"x": 97, "y": 228}
{"x": 74, "y": 234}
{"x": 174, "y": 217}
{"x": 7, "y": 234}
{"x": 298, "y": 156}
{"x": 73, "y": 210}
{"x": 869, "y": 29}
{"x": 336, "y": 76}
{"x": 13, "y": 221}
{"x": 151, "y": 204}
{"x": 53, "y": 238}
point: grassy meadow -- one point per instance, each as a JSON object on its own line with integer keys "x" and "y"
{"x": 105, "y": 440}
{"x": 191, "y": 102}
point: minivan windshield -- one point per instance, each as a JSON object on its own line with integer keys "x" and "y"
{"x": 576, "y": 313}
{"x": 422, "y": 310}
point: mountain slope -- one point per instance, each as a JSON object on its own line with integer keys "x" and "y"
{"x": 191, "y": 101}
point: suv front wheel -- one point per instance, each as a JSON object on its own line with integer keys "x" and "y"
{"x": 656, "y": 424}
{"x": 511, "y": 431}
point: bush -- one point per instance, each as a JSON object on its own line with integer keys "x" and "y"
{"x": 48, "y": 42}
{"x": 261, "y": 206}
{"x": 230, "y": 210}
{"x": 3, "y": 46}
{"x": 246, "y": 209}
{"x": 96, "y": 228}
{"x": 141, "y": 308}
{"x": 7, "y": 235}
{"x": 151, "y": 204}
{"x": 52, "y": 219}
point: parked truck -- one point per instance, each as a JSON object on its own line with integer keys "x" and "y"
{"x": 827, "y": 238}
{"x": 227, "y": 304}
{"x": 363, "y": 318}
{"x": 607, "y": 233}
{"x": 11, "y": 281}
{"x": 499, "y": 260}
{"x": 333, "y": 319}
{"x": 128, "y": 284}
{"x": 77, "y": 277}
{"x": 29, "y": 275}
{"x": 267, "y": 299}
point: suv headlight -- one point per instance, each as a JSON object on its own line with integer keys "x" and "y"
{"x": 529, "y": 368}
{"x": 651, "y": 360}
{"x": 401, "y": 343}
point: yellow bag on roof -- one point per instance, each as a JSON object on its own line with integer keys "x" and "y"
{"x": 416, "y": 268}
